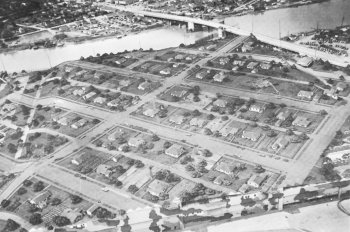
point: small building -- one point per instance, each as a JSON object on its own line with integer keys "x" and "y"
{"x": 224, "y": 60}
{"x": 104, "y": 169}
{"x": 265, "y": 66}
{"x": 63, "y": 121}
{"x": 201, "y": 75}
{"x": 90, "y": 211}
{"x": 177, "y": 119}
{"x": 89, "y": 95}
{"x": 257, "y": 180}
{"x": 305, "y": 61}
{"x": 179, "y": 57}
{"x": 79, "y": 92}
{"x": 178, "y": 93}
{"x": 331, "y": 93}
{"x": 253, "y": 136}
{"x": 125, "y": 83}
{"x": 280, "y": 143}
{"x": 175, "y": 151}
{"x": 100, "y": 100}
{"x": 73, "y": 215}
{"x": 41, "y": 200}
{"x": 144, "y": 85}
{"x": 158, "y": 188}
{"x": 120, "y": 60}
{"x": 220, "y": 103}
{"x": 252, "y": 65}
{"x": 244, "y": 188}
{"x": 136, "y": 142}
{"x": 229, "y": 130}
{"x": 77, "y": 161}
{"x": 80, "y": 123}
{"x": 225, "y": 167}
{"x": 219, "y": 77}
{"x": 114, "y": 103}
{"x": 283, "y": 115}
{"x": 150, "y": 112}
{"x": 301, "y": 121}
{"x": 305, "y": 94}
{"x": 259, "y": 108}
{"x": 166, "y": 71}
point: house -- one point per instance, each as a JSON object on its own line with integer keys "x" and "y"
{"x": 173, "y": 223}
{"x": 175, "y": 151}
{"x": 219, "y": 77}
{"x": 257, "y": 180}
{"x": 146, "y": 66}
{"x": 212, "y": 46}
{"x": 331, "y": 93}
{"x": 166, "y": 71}
{"x": 240, "y": 63}
{"x": 224, "y": 60}
{"x": 114, "y": 103}
{"x": 283, "y": 115}
{"x": 225, "y": 167}
{"x": 220, "y": 103}
{"x": 198, "y": 122}
{"x": 247, "y": 47}
{"x": 280, "y": 143}
{"x": 82, "y": 122}
{"x": 177, "y": 119}
{"x": 201, "y": 75}
{"x": 121, "y": 60}
{"x": 339, "y": 156}
{"x": 301, "y": 121}
{"x": 305, "y": 94}
{"x": 305, "y": 61}
{"x": 179, "y": 57}
{"x": 229, "y": 130}
{"x": 158, "y": 188}
{"x": 178, "y": 93}
{"x": 73, "y": 215}
{"x": 341, "y": 86}
{"x": 100, "y": 100}
{"x": 252, "y": 65}
{"x": 150, "y": 112}
{"x": 259, "y": 108}
{"x": 265, "y": 66}
{"x": 104, "y": 169}
{"x": 136, "y": 142}
{"x": 63, "y": 121}
{"x": 144, "y": 85}
{"x": 8, "y": 107}
{"x": 79, "y": 92}
{"x": 41, "y": 200}
{"x": 90, "y": 211}
{"x": 253, "y": 136}
{"x": 124, "y": 83}
{"x": 244, "y": 188}
{"x": 89, "y": 95}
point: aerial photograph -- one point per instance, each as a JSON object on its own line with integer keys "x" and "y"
{"x": 174, "y": 115}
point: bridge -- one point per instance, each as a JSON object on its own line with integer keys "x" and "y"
{"x": 334, "y": 59}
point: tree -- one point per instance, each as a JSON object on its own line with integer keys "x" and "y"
{"x": 207, "y": 131}
{"x": 38, "y": 186}
{"x": 76, "y": 199}
{"x": 339, "y": 134}
{"x": 35, "y": 219}
{"x": 155, "y": 138}
{"x": 56, "y": 201}
{"x": 196, "y": 113}
{"x": 61, "y": 221}
{"x": 224, "y": 118}
{"x": 323, "y": 112}
{"x": 289, "y": 132}
{"x": 27, "y": 183}
{"x": 21, "y": 191}
{"x": 133, "y": 189}
{"x": 5, "y": 203}
{"x": 210, "y": 117}
{"x": 166, "y": 145}
{"x": 11, "y": 225}
{"x": 189, "y": 168}
{"x": 103, "y": 213}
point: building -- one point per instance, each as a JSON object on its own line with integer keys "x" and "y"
{"x": 283, "y": 115}
{"x": 90, "y": 211}
{"x": 104, "y": 169}
{"x": 229, "y": 130}
{"x": 225, "y": 167}
{"x": 41, "y": 200}
{"x": 198, "y": 122}
{"x": 301, "y": 121}
{"x": 63, "y": 121}
{"x": 305, "y": 94}
{"x": 89, "y": 95}
{"x": 339, "y": 157}
{"x": 179, "y": 57}
{"x": 79, "y": 92}
{"x": 150, "y": 112}
{"x": 136, "y": 142}
{"x": 240, "y": 63}
{"x": 219, "y": 77}
{"x": 305, "y": 61}
{"x": 331, "y": 93}
{"x": 253, "y": 136}
{"x": 257, "y": 180}
{"x": 77, "y": 161}
{"x": 252, "y": 65}
{"x": 114, "y": 103}
{"x": 224, "y": 60}
{"x": 166, "y": 71}
{"x": 265, "y": 66}
{"x": 73, "y": 215}
{"x": 259, "y": 108}
{"x": 144, "y": 86}
{"x": 100, "y": 100}
{"x": 124, "y": 83}
{"x": 120, "y": 61}
{"x": 158, "y": 188}
{"x": 262, "y": 83}
{"x": 175, "y": 151}
{"x": 280, "y": 143}
{"x": 80, "y": 123}
{"x": 178, "y": 92}
{"x": 244, "y": 188}
{"x": 220, "y": 103}
{"x": 177, "y": 119}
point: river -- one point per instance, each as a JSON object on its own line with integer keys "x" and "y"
{"x": 292, "y": 20}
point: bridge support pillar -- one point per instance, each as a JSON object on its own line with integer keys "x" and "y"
{"x": 190, "y": 26}
{"x": 221, "y": 33}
